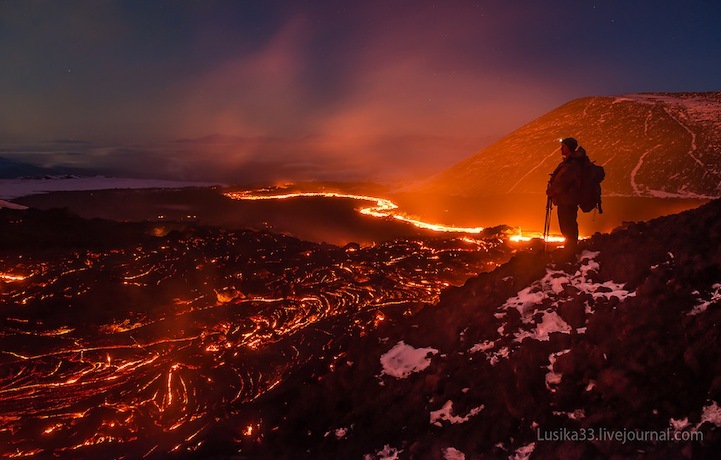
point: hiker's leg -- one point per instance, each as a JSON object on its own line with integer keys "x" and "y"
{"x": 567, "y": 221}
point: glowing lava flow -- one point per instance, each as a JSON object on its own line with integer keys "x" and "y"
{"x": 383, "y": 208}
{"x": 525, "y": 237}
{"x": 140, "y": 350}
{"x": 11, "y": 277}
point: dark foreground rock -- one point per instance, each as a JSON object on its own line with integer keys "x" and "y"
{"x": 616, "y": 355}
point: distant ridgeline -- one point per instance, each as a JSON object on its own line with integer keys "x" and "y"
{"x": 654, "y": 145}
{"x": 11, "y": 169}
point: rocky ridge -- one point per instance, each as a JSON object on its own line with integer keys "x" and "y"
{"x": 614, "y": 355}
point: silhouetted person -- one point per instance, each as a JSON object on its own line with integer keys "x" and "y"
{"x": 564, "y": 190}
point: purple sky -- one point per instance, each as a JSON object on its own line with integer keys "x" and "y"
{"x": 324, "y": 89}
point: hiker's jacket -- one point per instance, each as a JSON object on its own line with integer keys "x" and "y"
{"x": 564, "y": 188}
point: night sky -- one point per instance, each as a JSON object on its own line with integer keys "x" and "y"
{"x": 322, "y": 89}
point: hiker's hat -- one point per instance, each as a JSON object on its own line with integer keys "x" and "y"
{"x": 570, "y": 142}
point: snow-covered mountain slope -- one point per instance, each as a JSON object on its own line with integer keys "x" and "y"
{"x": 659, "y": 145}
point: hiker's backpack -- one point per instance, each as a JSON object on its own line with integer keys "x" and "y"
{"x": 591, "y": 177}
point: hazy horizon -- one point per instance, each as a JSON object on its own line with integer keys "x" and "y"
{"x": 272, "y": 160}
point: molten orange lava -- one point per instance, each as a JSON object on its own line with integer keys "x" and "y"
{"x": 12, "y": 277}
{"x": 383, "y": 208}
{"x": 177, "y": 366}
{"x": 525, "y": 237}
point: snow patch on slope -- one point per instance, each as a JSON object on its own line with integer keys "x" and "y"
{"x": 537, "y": 305}
{"x": 703, "y": 304}
{"x": 445, "y": 414}
{"x": 402, "y": 360}
{"x": 551, "y": 287}
{"x": 387, "y": 453}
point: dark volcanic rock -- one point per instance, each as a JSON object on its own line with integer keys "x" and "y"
{"x": 154, "y": 339}
{"x": 617, "y": 356}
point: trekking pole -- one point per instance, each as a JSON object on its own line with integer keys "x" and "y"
{"x": 547, "y": 223}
